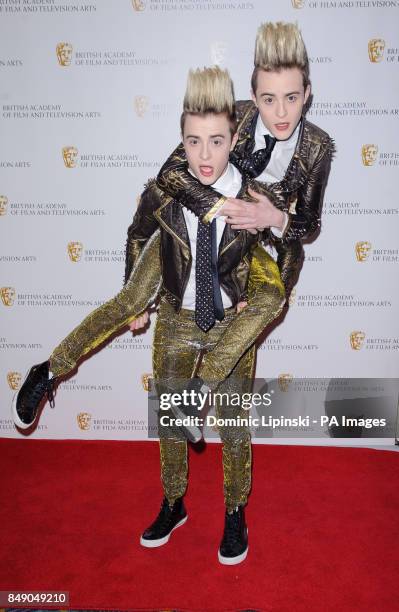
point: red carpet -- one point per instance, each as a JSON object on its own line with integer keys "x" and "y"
{"x": 323, "y": 529}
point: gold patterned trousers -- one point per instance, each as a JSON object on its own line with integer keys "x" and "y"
{"x": 141, "y": 288}
{"x": 178, "y": 344}
{"x": 266, "y": 298}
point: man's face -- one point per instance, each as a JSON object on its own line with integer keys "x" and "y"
{"x": 280, "y": 97}
{"x": 207, "y": 142}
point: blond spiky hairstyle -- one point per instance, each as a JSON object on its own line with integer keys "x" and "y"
{"x": 209, "y": 90}
{"x": 280, "y": 45}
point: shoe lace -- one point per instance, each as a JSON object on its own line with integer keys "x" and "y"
{"x": 164, "y": 516}
{"x": 48, "y": 388}
{"x": 232, "y": 527}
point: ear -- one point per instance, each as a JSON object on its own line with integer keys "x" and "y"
{"x": 254, "y": 98}
{"x": 234, "y": 141}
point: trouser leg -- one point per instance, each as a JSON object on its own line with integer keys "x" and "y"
{"x": 265, "y": 302}
{"x": 236, "y": 439}
{"x": 177, "y": 345}
{"x": 174, "y": 468}
{"x": 141, "y": 288}
{"x": 174, "y": 358}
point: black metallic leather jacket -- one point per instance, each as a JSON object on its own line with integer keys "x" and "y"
{"x": 156, "y": 210}
{"x": 300, "y": 193}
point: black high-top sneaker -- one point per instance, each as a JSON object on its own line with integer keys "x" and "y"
{"x": 28, "y": 400}
{"x": 191, "y": 428}
{"x": 168, "y": 519}
{"x": 234, "y": 545}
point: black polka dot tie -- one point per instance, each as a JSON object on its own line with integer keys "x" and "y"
{"x": 208, "y": 299}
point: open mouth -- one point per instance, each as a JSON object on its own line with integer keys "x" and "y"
{"x": 206, "y": 170}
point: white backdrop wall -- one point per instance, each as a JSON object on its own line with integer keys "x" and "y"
{"x": 113, "y": 95}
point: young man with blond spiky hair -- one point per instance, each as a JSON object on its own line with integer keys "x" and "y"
{"x": 205, "y": 270}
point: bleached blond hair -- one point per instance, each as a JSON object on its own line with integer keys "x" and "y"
{"x": 209, "y": 90}
{"x": 280, "y": 45}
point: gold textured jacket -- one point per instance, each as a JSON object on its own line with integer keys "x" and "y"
{"x": 300, "y": 193}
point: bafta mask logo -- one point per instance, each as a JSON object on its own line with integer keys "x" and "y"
{"x": 141, "y": 105}
{"x": 284, "y": 381}
{"x": 376, "y": 50}
{"x": 362, "y": 250}
{"x": 146, "y": 381}
{"x": 297, "y": 4}
{"x": 218, "y": 52}
{"x": 69, "y": 155}
{"x": 75, "y": 250}
{"x": 64, "y": 53}
{"x": 7, "y": 295}
{"x": 3, "y": 205}
{"x": 369, "y": 154}
{"x": 357, "y": 340}
{"x": 138, "y": 5}
{"x": 291, "y": 299}
{"x": 14, "y": 380}
{"x": 84, "y": 420}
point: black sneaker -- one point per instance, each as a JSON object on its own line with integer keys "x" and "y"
{"x": 168, "y": 519}
{"x": 26, "y": 403}
{"x": 234, "y": 545}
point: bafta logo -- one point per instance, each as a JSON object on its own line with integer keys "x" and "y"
{"x": 140, "y": 105}
{"x": 75, "y": 250}
{"x": 69, "y": 155}
{"x": 3, "y": 205}
{"x": 218, "y": 52}
{"x": 362, "y": 250}
{"x": 146, "y": 381}
{"x": 284, "y": 381}
{"x": 84, "y": 420}
{"x": 14, "y": 380}
{"x": 376, "y": 50}
{"x": 7, "y": 295}
{"x": 357, "y": 339}
{"x": 138, "y": 5}
{"x": 297, "y": 4}
{"x": 64, "y": 53}
{"x": 291, "y": 299}
{"x": 369, "y": 154}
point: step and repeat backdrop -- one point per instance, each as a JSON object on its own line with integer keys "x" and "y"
{"x": 90, "y": 100}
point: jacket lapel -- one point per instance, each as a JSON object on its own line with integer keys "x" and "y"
{"x": 170, "y": 216}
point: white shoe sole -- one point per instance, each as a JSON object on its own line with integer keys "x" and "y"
{"x": 161, "y": 541}
{"x": 233, "y": 560}
{"x": 20, "y": 424}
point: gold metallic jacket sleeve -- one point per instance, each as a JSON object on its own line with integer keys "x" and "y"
{"x": 175, "y": 180}
{"x": 143, "y": 226}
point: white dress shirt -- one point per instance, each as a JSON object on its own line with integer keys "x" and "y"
{"x": 279, "y": 161}
{"x": 228, "y": 184}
